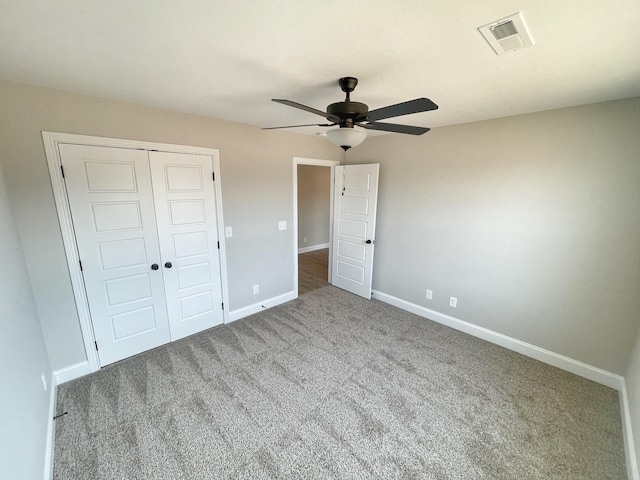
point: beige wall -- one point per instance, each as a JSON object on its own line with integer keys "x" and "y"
{"x": 23, "y": 358}
{"x": 314, "y": 184}
{"x": 257, "y": 189}
{"x": 531, "y": 222}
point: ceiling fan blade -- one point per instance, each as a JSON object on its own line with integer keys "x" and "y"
{"x": 289, "y": 103}
{"x": 404, "y": 108}
{"x": 307, "y": 125}
{"x": 395, "y": 128}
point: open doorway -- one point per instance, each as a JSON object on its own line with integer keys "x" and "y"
{"x": 313, "y": 218}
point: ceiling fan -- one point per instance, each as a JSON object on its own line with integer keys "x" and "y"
{"x": 354, "y": 118}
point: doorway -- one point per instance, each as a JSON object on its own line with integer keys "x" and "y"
{"x": 313, "y": 221}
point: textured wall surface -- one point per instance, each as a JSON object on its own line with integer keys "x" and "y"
{"x": 23, "y": 358}
{"x": 530, "y": 221}
{"x": 314, "y": 184}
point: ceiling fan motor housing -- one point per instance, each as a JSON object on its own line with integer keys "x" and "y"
{"x": 348, "y": 112}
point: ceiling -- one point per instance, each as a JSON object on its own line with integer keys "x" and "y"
{"x": 227, "y": 58}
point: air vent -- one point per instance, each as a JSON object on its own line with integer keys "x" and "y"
{"x": 507, "y": 34}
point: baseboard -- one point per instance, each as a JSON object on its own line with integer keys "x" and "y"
{"x": 258, "y": 307}
{"x": 627, "y": 433}
{"x": 72, "y": 372}
{"x": 595, "y": 374}
{"x": 313, "y": 248}
{"x": 51, "y": 431}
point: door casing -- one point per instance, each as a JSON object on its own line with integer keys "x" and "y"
{"x": 318, "y": 163}
{"x": 51, "y": 141}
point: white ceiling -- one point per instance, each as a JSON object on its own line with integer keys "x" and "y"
{"x": 226, "y": 59}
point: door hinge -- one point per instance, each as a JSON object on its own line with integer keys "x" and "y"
{"x": 218, "y": 245}
{"x": 80, "y": 262}
{"x": 96, "y": 344}
{"x": 62, "y": 171}
{"x": 213, "y": 175}
{"x": 222, "y": 305}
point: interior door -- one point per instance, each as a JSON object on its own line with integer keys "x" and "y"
{"x": 109, "y": 193}
{"x": 354, "y": 227}
{"x": 184, "y": 198}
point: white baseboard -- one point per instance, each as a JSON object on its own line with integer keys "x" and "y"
{"x": 72, "y": 372}
{"x": 627, "y": 433}
{"x": 313, "y": 248}
{"x": 258, "y": 307}
{"x": 51, "y": 431}
{"x": 595, "y": 374}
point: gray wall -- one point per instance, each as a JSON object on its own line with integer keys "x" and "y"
{"x": 530, "y": 221}
{"x": 314, "y": 184}
{"x": 24, "y": 405}
{"x": 257, "y": 189}
{"x": 632, "y": 380}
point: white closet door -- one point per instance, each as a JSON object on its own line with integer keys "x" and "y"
{"x": 110, "y": 197}
{"x": 354, "y": 227}
{"x": 187, "y": 227}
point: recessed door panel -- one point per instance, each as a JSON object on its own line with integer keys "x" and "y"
{"x": 352, "y": 251}
{"x": 184, "y": 178}
{"x": 133, "y": 322}
{"x": 111, "y": 203}
{"x": 195, "y": 275}
{"x": 354, "y": 205}
{"x": 355, "y": 202}
{"x": 185, "y": 212}
{"x": 352, "y": 228}
{"x": 111, "y": 217}
{"x": 358, "y": 180}
{"x": 186, "y": 245}
{"x": 196, "y": 305}
{"x": 128, "y": 289}
{"x": 187, "y": 227}
{"x": 351, "y": 273}
{"x": 111, "y": 176}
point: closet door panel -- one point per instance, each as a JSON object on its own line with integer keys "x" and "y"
{"x": 184, "y": 199}
{"x": 111, "y": 201}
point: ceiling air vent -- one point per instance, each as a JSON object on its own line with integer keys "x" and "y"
{"x": 507, "y": 34}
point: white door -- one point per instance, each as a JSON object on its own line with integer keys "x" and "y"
{"x": 114, "y": 221}
{"x": 187, "y": 228}
{"x": 354, "y": 227}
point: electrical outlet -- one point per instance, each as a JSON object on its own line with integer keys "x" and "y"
{"x": 256, "y": 289}
{"x": 429, "y": 295}
{"x": 305, "y": 239}
{"x": 453, "y": 302}
{"x": 43, "y": 377}
{"x": 282, "y": 225}
{"x": 228, "y": 232}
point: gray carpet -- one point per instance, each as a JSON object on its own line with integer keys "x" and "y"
{"x": 335, "y": 386}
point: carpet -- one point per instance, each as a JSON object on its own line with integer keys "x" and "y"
{"x": 334, "y": 386}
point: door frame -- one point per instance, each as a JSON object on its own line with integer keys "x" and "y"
{"x": 54, "y": 162}
{"x": 317, "y": 163}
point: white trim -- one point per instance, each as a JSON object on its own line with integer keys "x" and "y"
{"x": 51, "y": 431}
{"x": 313, "y": 248}
{"x": 258, "y": 307}
{"x": 51, "y": 141}
{"x": 627, "y": 434}
{"x": 595, "y": 374}
{"x": 318, "y": 163}
{"x": 71, "y": 372}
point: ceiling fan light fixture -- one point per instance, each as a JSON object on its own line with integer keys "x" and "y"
{"x": 347, "y": 137}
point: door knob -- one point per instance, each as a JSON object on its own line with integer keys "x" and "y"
{"x": 368, "y": 241}
{"x": 168, "y": 265}
{"x": 154, "y": 266}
